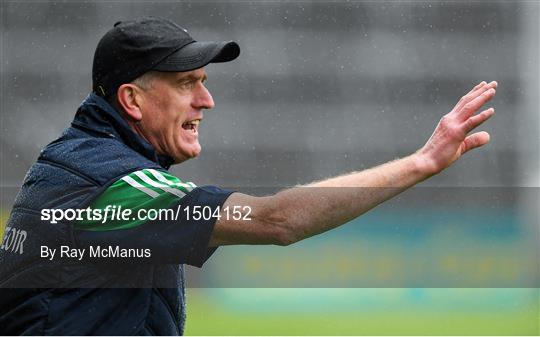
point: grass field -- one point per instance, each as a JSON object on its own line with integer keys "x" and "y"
{"x": 441, "y": 312}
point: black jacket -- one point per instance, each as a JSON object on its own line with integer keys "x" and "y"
{"x": 41, "y": 297}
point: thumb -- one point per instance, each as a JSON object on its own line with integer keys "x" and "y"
{"x": 475, "y": 140}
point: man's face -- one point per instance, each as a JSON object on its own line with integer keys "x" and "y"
{"x": 172, "y": 107}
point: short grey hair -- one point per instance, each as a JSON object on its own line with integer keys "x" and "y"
{"x": 144, "y": 82}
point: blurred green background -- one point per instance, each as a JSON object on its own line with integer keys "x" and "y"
{"x": 488, "y": 249}
{"x": 363, "y": 312}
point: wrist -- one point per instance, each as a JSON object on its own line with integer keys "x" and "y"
{"x": 424, "y": 166}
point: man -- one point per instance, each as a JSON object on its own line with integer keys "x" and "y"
{"x": 143, "y": 116}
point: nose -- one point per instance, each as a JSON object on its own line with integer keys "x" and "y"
{"x": 202, "y": 98}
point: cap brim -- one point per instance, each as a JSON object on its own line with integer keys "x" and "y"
{"x": 198, "y": 54}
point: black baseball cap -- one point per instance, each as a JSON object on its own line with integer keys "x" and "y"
{"x": 134, "y": 47}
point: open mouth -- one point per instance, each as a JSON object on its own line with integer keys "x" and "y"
{"x": 191, "y": 125}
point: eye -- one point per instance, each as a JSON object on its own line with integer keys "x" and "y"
{"x": 187, "y": 85}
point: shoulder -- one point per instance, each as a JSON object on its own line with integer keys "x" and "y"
{"x": 150, "y": 183}
{"x": 145, "y": 189}
{"x": 99, "y": 158}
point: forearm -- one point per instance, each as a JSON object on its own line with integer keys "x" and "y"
{"x": 301, "y": 212}
{"x": 321, "y": 206}
{"x": 398, "y": 174}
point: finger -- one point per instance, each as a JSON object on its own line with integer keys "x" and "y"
{"x": 463, "y": 100}
{"x": 475, "y": 92}
{"x": 476, "y": 120}
{"x": 478, "y": 86}
{"x": 492, "y": 84}
{"x": 471, "y": 107}
{"x": 475, "y": 140}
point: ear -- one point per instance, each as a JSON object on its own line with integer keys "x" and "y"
{"x": 129, "y": 98}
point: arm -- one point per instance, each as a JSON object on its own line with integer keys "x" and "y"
{"x": 298, "y": 213}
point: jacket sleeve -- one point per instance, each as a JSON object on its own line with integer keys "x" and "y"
{"x": 155, "y": 214}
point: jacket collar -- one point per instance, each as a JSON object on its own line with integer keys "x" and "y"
{"x": 99, "y": 117}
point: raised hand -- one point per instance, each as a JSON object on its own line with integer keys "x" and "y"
{"x": 451, "y": 138}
